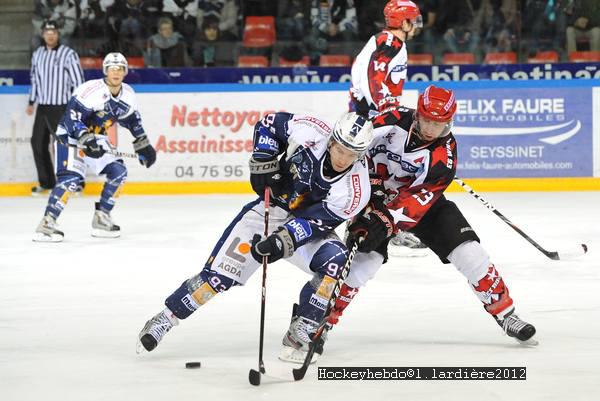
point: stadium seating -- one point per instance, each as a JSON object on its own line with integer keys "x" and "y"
{"x": 334, "y": 60}
{"x": 584, "y": 57}
{"x": 303, "y": 62}
{"x": 501, "y": 58}
{"x": 458, "y": 58}
{"x": 420, "y": 59}
{"x": 544, "y": 57}
{"x": 90, "y": 63}
{"x": 135, "y": 62}
{"x": 259, "y": 32}
{"x": 253, "y": 61}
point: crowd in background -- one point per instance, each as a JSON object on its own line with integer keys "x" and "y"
{"x": 172, "y": 33}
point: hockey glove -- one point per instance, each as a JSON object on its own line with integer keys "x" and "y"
{"x": 145, "y": 151}
{"x": 87, "y": 142}
{"x": 276, "y": 246}
{"x": 378, "y": 192}
{"x": 266, "y": 173}
{"x": 374, "y": 227}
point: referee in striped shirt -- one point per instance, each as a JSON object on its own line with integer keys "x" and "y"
{"x": 55, "y": 73}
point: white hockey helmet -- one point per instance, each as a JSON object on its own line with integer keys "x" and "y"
{"x": 353, "y": 132}
{"x": 114, "y": 59}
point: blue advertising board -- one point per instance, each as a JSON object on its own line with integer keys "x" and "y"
{"x": 335, "y": 74}
{"x": 524, "y": 132}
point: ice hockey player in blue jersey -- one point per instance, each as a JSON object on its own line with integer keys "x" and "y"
{"x": 95, "y": 106}
{"x": 318, "y": 179}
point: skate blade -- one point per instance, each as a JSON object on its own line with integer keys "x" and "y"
{"x": 528, "y": 343}
{"x": 41, "y": 237}
{"x": 98, "y": 233}
{"x": 139, "y": 347}
{"x": 292, "y": 355}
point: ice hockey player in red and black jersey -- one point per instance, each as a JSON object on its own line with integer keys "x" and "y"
{"x": 378, "y": 76}
{"x": 412, "y": 160}
{"x": 379, "y": 70}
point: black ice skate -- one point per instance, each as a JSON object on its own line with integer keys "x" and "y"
{"x": 46, "y": 231}
{"x": 155, "y": 329}
{"x": 103, "y": 226}
{"x": 519, "y": 329}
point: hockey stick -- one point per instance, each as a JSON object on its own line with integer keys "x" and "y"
{"x": 110, "y": 152}
{"x": 324, "y": 326}
{"x": 554, "y": 255}
{"x": 254, "y": 375}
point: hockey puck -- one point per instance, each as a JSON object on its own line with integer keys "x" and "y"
{"x": 192, "y": 365}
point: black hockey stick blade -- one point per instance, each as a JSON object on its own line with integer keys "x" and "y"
{"x": 254, "y": 377}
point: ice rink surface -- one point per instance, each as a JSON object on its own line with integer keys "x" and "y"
{"x": 70, "y": 312}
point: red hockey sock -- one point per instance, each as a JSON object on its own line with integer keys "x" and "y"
{"x": 492, "y": 291}
{"x": 347, "y": 293}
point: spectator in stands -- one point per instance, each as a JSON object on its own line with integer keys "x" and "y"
{"x": 292, "y": 19}
{"x": 205, "y": 49}
{"x": 426, "y": 38}
{"x": 125, "y": 19}
{"x": 259, "y": 7}
{"x": 585, "y": 24}
{"x": 225, "y": 12}
{"x": 461, "y": 26}
{"x": 166, "y": 48}
{"x": 92, "y": 18}
{"x": 62, "y": 12}
{"x": 544, "y": 23}
{"x": 369, "y": 17}
{"x": 184, "y": 14}
{"x": 499, "y": 19}
{"x": 332, "y": 21}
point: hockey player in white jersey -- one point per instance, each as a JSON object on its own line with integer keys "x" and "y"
{"x": 412, "y": 161}
{"x": 95, "y": 106}
{"x": 319, "y": 179}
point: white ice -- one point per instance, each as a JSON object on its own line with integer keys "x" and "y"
{"x": 70, "y": 312}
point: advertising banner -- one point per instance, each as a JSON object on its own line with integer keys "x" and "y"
{"x": 278, "y": 75}
{"x": 203, "y": 133}
{"x": 524, "y": 132}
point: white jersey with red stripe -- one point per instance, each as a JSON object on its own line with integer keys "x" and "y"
{"x": 378, "y": 74}
{"x": 415, "y": 173}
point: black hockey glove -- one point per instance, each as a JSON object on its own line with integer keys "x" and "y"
{"x": 374, "y": 227}
{"x": 266, "y": 173}
{"x": 145, "y": 151}
{"x": 87, "y": 142}
{"x": 276, "y": 246}
{"x": 378, "y": 192}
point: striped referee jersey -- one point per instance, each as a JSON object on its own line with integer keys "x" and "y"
{"x": 55, "y": 73}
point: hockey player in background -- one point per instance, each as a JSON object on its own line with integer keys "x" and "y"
{"x": 412, "y": 160}
{"x": 95, "y": 106}
{"x": 319, "y": 179}
{"x": 379, "y": 71}
{"x": 378, "y": 75}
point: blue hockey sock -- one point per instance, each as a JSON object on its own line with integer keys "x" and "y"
{"x": 116, "y": 173}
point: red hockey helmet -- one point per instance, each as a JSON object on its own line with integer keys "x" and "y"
{"x": 437, "y": 104}
{"x": 397, "y": 11}
{"x": 435, "y": 112}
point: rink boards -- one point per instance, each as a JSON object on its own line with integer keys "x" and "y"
{"x": 512, "y": 135}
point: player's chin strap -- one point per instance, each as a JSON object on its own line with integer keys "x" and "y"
{"x": 324, "y": 325}
{"x": 572, "y": 252}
